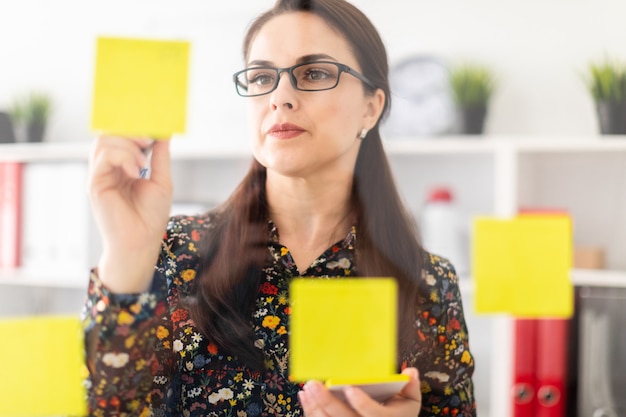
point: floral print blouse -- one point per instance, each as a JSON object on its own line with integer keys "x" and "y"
{"x": 147, "y": 358}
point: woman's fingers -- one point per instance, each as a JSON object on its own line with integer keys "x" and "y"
{"x": 317, "y": 401}
{"x": 161, "y": 171}
{"x": 111, "y": 153}
{"x": 412, "y": 390}
{"x": 365, "y": 406}
{"x": 131, "y": 212}
{"x": 407, "y": 402}
{"x": 115, "y": 184}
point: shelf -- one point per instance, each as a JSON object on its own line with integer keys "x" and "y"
{"x": 487, "y": 143}
{"x": 598, "y": 278}
{"x": 79, "y": 151}
{"x": 79, "y": 279}
{"x": 74, "y": 279}
{"x": 443, "y": 145}
{"x": 189, "y": 149}
{"x": 47, "y": 151}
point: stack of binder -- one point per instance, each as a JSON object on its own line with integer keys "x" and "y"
{"x": 540, "y": 367}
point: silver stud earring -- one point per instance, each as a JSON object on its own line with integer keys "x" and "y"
{"x": 363, "y": 133}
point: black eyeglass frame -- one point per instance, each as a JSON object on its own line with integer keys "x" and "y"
{"x": 292, "y": 77}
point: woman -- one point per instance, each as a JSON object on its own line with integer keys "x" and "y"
{"x": 191, "y": 337}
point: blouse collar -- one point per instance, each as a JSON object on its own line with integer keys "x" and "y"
{"x": 347, "y": 242}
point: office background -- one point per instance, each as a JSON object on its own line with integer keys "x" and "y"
{"x": 537, "y": 49}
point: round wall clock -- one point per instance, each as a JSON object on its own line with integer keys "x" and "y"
{"x": 421, "y": 99}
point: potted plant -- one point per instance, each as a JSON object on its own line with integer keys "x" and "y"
{"x": 606, "y": 82}
{"x": 16, "y": 113}
{"x": 7, "y": 132}
{"x": 472, "y": 87}
{"x": 33, "y": 112}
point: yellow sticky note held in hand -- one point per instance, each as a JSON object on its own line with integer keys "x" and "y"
{"x": 42, "y": 367}
{"x": 140, "y": 87}
{"x": 522, "y": 265}
{"x": 343, "y": 329}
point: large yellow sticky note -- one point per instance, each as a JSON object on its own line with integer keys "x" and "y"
{"x": 42, "y": 367}
{"x": 521, "y": 266}
{"x": 343, "y": 329}
{"x": 140, "y": 87}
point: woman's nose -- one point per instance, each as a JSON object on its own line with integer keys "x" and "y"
{"x": 284, "y": 95}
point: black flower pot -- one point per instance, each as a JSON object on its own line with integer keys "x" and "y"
{"x": 472, "y": 119}
{"x": 35, "y": 132}
{"x": 611, "y": 117}
{"x": 7, "y": 134}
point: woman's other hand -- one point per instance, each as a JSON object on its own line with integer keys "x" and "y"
{"x": 317, "y": 401}
{"x": 131, "y": 212}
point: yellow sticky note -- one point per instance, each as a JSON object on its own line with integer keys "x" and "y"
{"x": 140, "y": 87}
{"x": 521, "y": 266}
{"x": 42, "y": 367}
{"x": 343, "y": 329}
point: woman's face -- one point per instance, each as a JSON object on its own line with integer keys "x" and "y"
{"x": 302, "y": 133}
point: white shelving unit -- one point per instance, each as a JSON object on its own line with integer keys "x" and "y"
{"x": 598, "y": 278}
{"x": 489, "y": 175}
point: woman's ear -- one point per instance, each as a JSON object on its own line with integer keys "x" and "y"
{"x": 374, "y": 104}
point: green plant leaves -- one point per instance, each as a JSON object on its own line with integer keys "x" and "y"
{"x": 472, "y": 84}
{"x": 34, "y": 108}
{"x": 606, "y": 81}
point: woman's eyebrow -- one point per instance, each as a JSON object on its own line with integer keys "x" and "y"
{"x": 260, "y": 63}
{"x": 315, "y": 57}
{"x": 301, "y": 60}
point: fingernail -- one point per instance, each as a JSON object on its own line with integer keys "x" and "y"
{"x": 314, "y": 387}
{"x": 349, "y": 392}
{"x": 146, "y": 149}
{"x": 412, "y": 373}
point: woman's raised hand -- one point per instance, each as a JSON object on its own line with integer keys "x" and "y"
{"x": 317, "y": 401}
{"x": 131, "y": 212}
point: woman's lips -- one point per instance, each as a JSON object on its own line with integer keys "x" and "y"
{"x": 285, "y": 131}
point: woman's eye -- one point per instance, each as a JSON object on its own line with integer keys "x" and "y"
{"x": 261, "y": 79}
{"x": 316, "y": 75}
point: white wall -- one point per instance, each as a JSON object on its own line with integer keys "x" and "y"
{"x": 538, "y": 49}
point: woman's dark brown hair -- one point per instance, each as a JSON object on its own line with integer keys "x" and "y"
{"x": 386, "y": 243}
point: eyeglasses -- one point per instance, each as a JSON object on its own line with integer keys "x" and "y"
{"x": 310, "y": 76}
